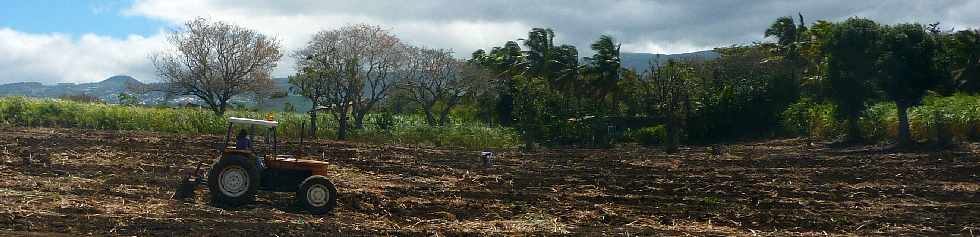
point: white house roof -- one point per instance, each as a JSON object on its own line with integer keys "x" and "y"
{"x": 253, "y": 122}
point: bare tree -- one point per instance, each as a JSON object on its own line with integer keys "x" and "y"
{"x": 353, "y": 67}
{"x": 378, "y": 58}
{"x": 433, "y": 77}
{"x": 215, "y": 61}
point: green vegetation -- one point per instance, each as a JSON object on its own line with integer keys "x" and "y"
{"x": 957, "y": 116}
{"x": 855, "y": 78}
{"x": 400, "y": 129}
{"x": 648, "y": 136}
{"x": 850, "y": 55}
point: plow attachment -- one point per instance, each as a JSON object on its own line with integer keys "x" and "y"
{"x": 188, "y": 183}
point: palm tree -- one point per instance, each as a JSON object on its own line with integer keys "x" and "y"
{"x": 786, "y": 31}
{"x": 789, "y": 41}
{"x": 605, "y": 64}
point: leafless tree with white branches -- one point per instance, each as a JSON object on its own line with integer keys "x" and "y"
{"x": 215, "y": 61}
{"x": 434, "y": 77}
{"x": 353, "y": 68}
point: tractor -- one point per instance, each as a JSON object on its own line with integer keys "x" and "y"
{"x": 243, "y": 169}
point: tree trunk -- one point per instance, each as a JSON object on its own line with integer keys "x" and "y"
{"x": 313, "y": 123}
{"x": 529, "y": 135}
{"x": 359, "y": 119}
{"x": 397, "y": 105}
{"x": 853, "y": 130}
{"x": 904, "y": 137}
{"x": 444, "y": 114}
{"x": 672, "y": 139}
{"x": 443, "y": 117}
{"x": 342, "y": 125}
{"x": 218, "y": 107}
{"x": 220, "y": 111}
{"x": 505, "y": 108}
{"x": 361, "y": 112}
{"x": 430, "y": 117}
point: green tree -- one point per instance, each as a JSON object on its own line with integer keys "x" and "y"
{"x": 567, "y": 68}
{"x": 817, "y": 37}
{"x": 531, "y": 114}
{"x": 314, "y": 86}
{"x": 851, "y": 54}
{"x": 965, "y": 57}
{"x": 738, "y": 95}
{"x": 556, "y": 64}
{"x": 605, "y": 64}
{"x": 540, "y": 52}
{"x": 788, "y": 34}
{"x": 906, "y": 69}
{"x": 670, "y": 94}
{"x": 945, "y": 62}
{"x": 504, "y": 63}
{"x": 789, "y": 40}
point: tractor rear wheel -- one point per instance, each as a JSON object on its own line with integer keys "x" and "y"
{"x": 317, "y": 195}
{"x": 233, "y": 181}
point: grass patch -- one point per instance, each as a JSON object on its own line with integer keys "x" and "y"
{"x": 379, "y": 128}
{"x": 956, "y": 116}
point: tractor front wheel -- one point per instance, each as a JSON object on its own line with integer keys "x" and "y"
{"x": 233, "y": 181}
{"x": 317, "y": 195}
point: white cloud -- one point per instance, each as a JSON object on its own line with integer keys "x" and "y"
{"x": 655, "y": 48}
{"x": 649, "y": 26}
{"x": 661, "y": 26}
{"x": 295, "y": 28}
{"x": 53, "y": 57}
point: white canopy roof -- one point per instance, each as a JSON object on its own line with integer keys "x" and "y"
{"x": 253, "y": 122}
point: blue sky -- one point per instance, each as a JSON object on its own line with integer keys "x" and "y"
{"x": 53, "y": 41}
{"x": 76, "y": 17}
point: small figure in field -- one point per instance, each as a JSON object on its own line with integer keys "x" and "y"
{"x": 242, "y": 140}
{"x": 487, "y": 158}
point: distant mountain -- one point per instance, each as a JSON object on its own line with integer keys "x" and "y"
{"x": 120, "y": 81}
{"x": 641, "y": 62}
{"x": 106, "y": 90}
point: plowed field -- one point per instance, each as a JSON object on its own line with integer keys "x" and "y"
{"x": 80, "y": 182}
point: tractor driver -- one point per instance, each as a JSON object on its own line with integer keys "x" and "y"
{"x": 242, "y": 141}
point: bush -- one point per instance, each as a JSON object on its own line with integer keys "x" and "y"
{"x": 879, "y": 122}
{"x": 384, "y": 121}
{"x": 649, "y": 135}
{"x": 959, "y": 116}
{"x": 806, "y": 117}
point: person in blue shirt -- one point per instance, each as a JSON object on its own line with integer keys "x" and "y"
{"x": 242, "y": 141}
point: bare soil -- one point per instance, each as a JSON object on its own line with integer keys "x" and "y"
{"x": 82, "y": 182}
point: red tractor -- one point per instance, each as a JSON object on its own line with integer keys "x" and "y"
{"x": 242, "y": 170}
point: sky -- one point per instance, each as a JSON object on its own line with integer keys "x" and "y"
{"x": 55, "y": 41}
